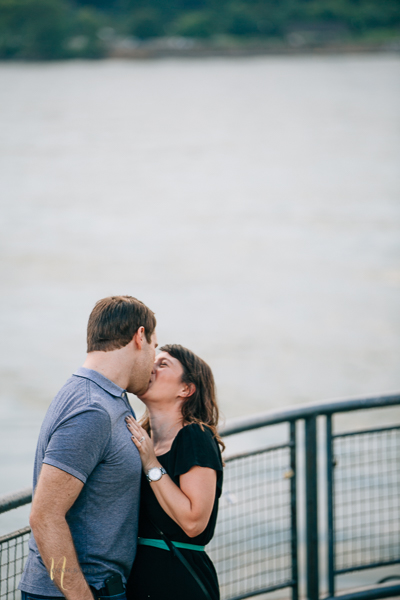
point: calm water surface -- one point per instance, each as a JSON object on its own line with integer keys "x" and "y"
{"x": 253, "y": 204}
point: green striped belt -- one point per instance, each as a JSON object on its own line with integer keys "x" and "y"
{"x": 161, "y": 544}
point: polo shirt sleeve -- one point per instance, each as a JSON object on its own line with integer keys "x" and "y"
{"x": 78, "y": 443}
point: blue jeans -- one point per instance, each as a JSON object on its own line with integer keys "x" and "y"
{"x": 27, "y": 596}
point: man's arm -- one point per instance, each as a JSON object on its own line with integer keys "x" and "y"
{"x": 55, "y": 493}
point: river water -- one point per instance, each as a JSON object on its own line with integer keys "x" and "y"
{"x": 252, "y": 203}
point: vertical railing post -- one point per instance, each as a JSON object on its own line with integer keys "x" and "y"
{"x": 293, "y": 508}
{"x": 312, "y": 508}
{"x": 330, "y": 492}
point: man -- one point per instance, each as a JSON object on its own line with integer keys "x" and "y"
{"x": 87, "y": 471}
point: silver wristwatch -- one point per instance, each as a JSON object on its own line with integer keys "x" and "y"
{"x": 155, "y": 474}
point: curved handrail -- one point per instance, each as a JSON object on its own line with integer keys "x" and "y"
{"x": 16, "y": 499}
{"x": 292, "y": 413}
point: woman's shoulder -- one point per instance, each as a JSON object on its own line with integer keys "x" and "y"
{"x": 197, "y": 434}
{"x": 196, "y": 430}
{"x": 195, "y": 444}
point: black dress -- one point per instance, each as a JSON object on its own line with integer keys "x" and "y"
{"x": 156, "y": 574}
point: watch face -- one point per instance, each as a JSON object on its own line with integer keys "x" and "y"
{"x": 154, "y": 474}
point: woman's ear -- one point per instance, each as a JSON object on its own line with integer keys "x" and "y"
{"x": 190, "y": 390}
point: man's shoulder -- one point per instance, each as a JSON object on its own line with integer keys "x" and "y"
{"x": 73, "y": 384}
{"x": 78, "y": 395}
{"x": 83, "y": 390}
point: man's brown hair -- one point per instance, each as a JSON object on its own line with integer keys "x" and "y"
{"x": 114, "y": 321}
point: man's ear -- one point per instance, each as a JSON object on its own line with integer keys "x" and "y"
{"x": 138, "y": 338}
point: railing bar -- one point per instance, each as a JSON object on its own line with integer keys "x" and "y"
{"x": 14, "y": 575}
{"x": 396, "y": 561}
{"x": 293, "y": 509}
{"x": 330, "y": 507}
{"x": 363, "y": 431}
{"x": 15, "y": 534}
{"x": 385, "y": 591}
{"x": 11, "y": 501}
{"x": 311, "y": 508}
{"x": 241, "y": 425}
{"x": 7, "y": 569}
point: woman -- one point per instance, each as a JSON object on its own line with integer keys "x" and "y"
{"x": 181, "y": 481}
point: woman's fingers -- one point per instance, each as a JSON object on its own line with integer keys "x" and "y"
{"x": 132, "y": 429}
{"x": 136, "y": 442}
{"x": 132, "y": 422}
{"x": 132, "y": 425}
{"x": 139, "y": 435}
{"x": 135, "y": 428}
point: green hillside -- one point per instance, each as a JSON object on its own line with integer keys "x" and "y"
{"x": 58, "y": 29}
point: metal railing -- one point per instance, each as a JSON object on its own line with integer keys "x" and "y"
{"x": 256, "y": 545}
{"x": 364, "y": 504}
{"x": 254, "y": 548}
{"x": 13, "y": 547}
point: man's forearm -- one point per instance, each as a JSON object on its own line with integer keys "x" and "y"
{"x": 56, "y": 547}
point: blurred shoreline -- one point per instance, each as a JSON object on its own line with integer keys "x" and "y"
{"x": 161, "y": 48}
{"x": 108, "y": 43}
{"x": 299, "y": 40}
{"x": 178, "y": 47}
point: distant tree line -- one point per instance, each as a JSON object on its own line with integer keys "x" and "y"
{"x": 56, "y": 29}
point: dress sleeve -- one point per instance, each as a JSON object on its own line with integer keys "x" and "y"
{"x": 196, "y": 447}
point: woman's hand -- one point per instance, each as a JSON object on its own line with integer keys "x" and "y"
{"x": 143, "y": 443}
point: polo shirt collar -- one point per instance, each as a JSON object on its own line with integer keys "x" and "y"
{"x": 107, "y": 385}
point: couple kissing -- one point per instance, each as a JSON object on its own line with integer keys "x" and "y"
{"x": 123, "y": 509}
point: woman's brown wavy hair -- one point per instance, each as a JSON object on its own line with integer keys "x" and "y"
{"x": 201, "y": 407}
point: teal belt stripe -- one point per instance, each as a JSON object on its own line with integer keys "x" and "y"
{"x": 161, "y": 544}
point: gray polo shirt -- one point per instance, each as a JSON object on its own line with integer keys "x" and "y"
{"x": 84, "y": 434}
